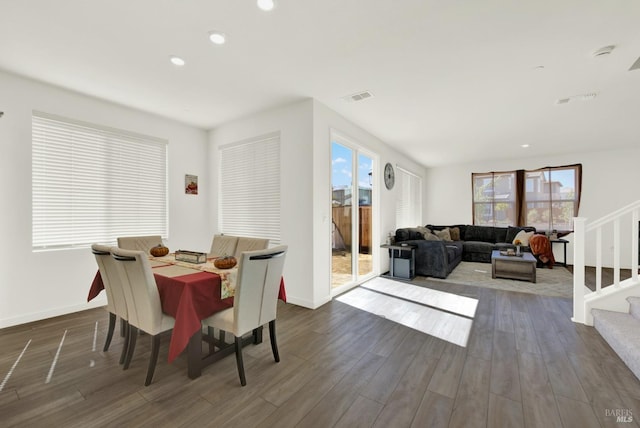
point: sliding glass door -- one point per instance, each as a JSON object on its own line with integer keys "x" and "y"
{"x": 352, "y": 172}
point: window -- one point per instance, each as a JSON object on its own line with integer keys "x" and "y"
{"x": 494, "y": 199}
{"x": 93, "y": 184}
{"x": 546, "y": 198}
{"x": 552, "y": 197}
{"x": 409, "y": 205}
{"x": 250, "y": 188}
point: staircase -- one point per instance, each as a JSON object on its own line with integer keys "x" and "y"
{"x": 616, "y": 232}
{"x": 622, "y": 332}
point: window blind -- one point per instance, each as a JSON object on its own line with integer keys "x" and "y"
{"x": 93, "y": 184}
{"x": 409, "y": 204}
{"x": 250, "y": 188}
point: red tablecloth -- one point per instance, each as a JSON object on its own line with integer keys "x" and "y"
{"x": 189, "y": 299}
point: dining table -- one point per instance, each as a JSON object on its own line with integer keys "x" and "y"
{"x": 189, "y": 293}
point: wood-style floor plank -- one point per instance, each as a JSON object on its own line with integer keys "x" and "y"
{"x": 525, "y": 364}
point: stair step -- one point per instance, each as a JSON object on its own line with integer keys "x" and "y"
{"x": 622, "y": 333}
{"x": 634, "y": 306}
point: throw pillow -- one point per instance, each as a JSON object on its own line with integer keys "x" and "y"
{"x": 431, "y": 237}
{"x": 424, "y": 231}
{"x": 443, "y": 234}
{"x": 512, "y": 231}
{"x": 455, "y": 233}
{"x": 523, "y": 237}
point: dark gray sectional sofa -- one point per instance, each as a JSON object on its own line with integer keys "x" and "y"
{"x": 437, "y": 258}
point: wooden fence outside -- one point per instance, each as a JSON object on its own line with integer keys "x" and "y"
{"x": 342, "y": 219}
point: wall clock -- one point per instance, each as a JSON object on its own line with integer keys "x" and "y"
{"x": 389, "y": 176}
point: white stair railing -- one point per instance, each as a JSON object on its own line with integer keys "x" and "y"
{"x": 630, "y": 213}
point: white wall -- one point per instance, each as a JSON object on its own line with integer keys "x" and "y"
{"x": 306, "y": 188}
{"x": 44, "y": 284}
{"x": 293, "y": 122}
{"x": 325, "y": 120}
{"x": 609, "y": 181}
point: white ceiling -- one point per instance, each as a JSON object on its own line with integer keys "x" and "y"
{"x": 453, "y": 80}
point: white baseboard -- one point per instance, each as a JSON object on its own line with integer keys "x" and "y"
{"x": 37, "y": 316}
{"x": 307, "y": 303}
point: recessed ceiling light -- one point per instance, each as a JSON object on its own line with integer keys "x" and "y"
{"x": 176, "y": 60}
{"x": 217, "y": 37}
{"x": 266, "y": 4}
{"x": 524, "y": 146}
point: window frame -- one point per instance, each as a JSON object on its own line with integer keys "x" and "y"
{"x": 492, "y": 202}
{"x": 412, "y": 215}
{"x": 522, "y": 187}
{"x": 92, "y": 184}
{"x": 554, "y": 202}
{"x": 249, "y": 188}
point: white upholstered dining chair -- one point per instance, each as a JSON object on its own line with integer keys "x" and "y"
{"x": 256, "y": 300}
{"x": 116, "y": 303}
{"x": 250, "y": 244}
{"x": 143, "y": 303}
{"x": 223, "y": 245}
{"x": 139, "y": 243}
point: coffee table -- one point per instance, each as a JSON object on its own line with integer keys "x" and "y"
{"x": 513, "y": 267}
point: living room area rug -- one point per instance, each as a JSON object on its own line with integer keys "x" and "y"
{"x": 556, "y": 282}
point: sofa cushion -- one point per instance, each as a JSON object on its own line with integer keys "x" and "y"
{"x": 480, "y": 234}
{"x": 500, "y": 234}
{"x": 478, "y": 247}
{"x": 408, "y": 234}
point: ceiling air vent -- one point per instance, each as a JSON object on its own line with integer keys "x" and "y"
{"x": 604, "y": 51}
{"x": 582, "y": 97}
{"x": 359, "y": 96}
{"x": 636, "y": 65}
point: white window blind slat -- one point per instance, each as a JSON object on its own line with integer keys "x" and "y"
{"x": 250, "y": 189}
{"x": 409, "y": 203}
{"x": 93, "y": 184}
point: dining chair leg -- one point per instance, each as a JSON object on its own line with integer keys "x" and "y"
{"x": 153, "y": 360}
{"x": 131, "y": 346}
{"x": 125, "y": 345}
{"x": 211, "y": 334}
{"x": 243, "y": 380}
{"x": 112, "y": 326}
{"x": 274, "y": 344}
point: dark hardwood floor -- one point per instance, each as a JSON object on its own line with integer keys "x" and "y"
{"x": 526, "y": 365}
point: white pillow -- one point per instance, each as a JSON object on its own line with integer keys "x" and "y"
{"x": 523, "y": 237}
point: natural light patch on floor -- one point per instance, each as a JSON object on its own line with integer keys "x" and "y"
{"x": 443, "y": 315}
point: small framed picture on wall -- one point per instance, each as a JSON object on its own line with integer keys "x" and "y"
{"x": 191, "y": 184}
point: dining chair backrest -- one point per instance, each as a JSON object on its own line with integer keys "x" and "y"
{"x": 257, "y": 287}
{"x": 139, "y": 243}
{"x": 116, "y": 303}
{"x": 223, "y": 245}
{"x": 250, "y": 244}
{"x": 140, "y": 289}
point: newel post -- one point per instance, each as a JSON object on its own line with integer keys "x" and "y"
{"x": 579, "y": 230}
